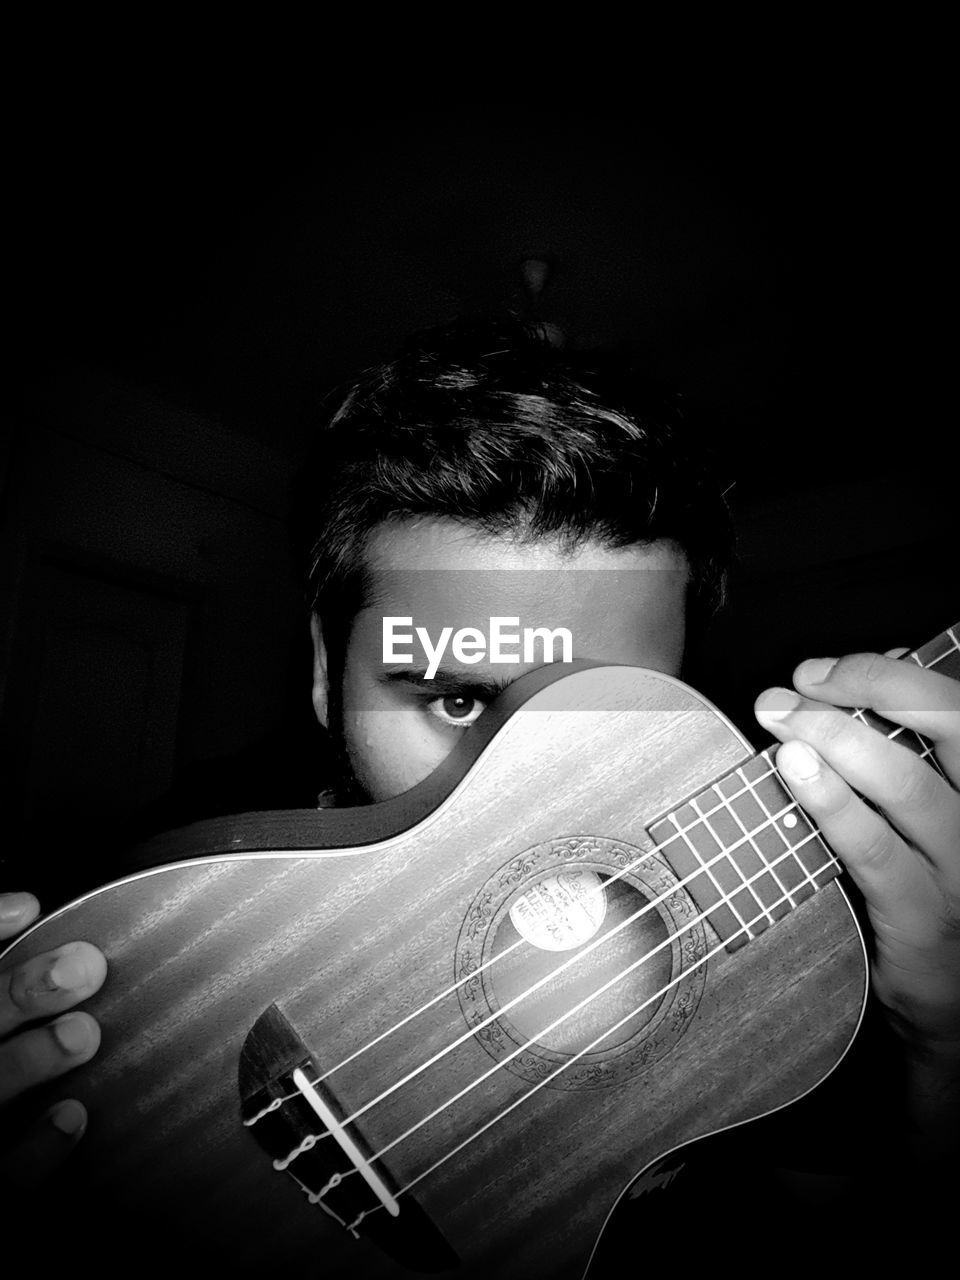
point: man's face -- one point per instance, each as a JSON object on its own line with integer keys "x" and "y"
{"x": 396, "y": 726}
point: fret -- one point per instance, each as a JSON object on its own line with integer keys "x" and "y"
{"x": 784, "y": 824}
{"x": 942, "y": 652}
{"x": 731, "y": 873}
{"x": 791, "y": 834}
{"x": 732, "y": 787}
{"x": 772, "y": 885}
{"x": 764, "y": 883}
{"x": 692, "y": 865}
{"x": 908, "y": 738}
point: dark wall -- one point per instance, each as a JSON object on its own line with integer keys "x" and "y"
{"x": 186, "y": 295}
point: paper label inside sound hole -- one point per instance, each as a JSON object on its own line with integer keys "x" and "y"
{"x": 562, "y": 911}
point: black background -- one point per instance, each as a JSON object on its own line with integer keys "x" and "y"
{"x": 778, "y": 253}
{"x": 193, "y": 261}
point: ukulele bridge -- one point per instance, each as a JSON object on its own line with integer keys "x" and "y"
{"x": 297, "y": 1120}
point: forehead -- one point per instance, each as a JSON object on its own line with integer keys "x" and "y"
{"x": 621, "y": 604}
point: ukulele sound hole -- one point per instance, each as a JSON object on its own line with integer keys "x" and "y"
{"x": 543, "y": 951}
{"x": 561, "y": 951}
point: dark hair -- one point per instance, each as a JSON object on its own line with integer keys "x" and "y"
{"x": 490, "y": 424}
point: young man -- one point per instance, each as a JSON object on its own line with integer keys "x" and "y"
{"x": 476, "y": 478}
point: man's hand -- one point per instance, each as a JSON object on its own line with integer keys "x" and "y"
{"x": 41, "y": 1037}
{"x": 903, "y": 855}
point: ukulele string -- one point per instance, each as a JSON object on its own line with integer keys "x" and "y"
{"x": 589, "y": 1048}
{"x": 748, "y": 837}
{"x": 581, "y": 1052}
{"x": 612, "y": 982}
{"x": 768, "y": 823}
{"x": 578, "y": 956}
{"x": 745, "y": 928}
{"x": 615, "y": 981}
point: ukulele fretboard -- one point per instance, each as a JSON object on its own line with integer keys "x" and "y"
{"x": 746, "y": 852}
{"x": 743, "y": 848}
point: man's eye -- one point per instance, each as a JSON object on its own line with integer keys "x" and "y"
{"x": 459, "y": 710}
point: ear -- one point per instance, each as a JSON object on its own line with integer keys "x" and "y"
{"x": 321, "y": 683}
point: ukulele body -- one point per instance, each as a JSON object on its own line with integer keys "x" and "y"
{"x": 536, "y": 1109}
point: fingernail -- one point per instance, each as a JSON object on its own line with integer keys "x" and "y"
{"x": 815, "y": 670}
{"x": 69, "y": 1117}
{"x": 72, "y": 1033}
{"x": 13, "y": 906}
{"x": 797, "y": 760}
{"x": 777, "y": 703}
{"x": 67, "y": 973}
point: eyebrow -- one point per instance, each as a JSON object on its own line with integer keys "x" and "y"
{"x": 447, "y": 681}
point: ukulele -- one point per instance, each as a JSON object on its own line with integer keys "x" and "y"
{"x": 449, "y": 1031}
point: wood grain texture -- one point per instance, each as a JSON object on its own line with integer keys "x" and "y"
{"x": 349, "y": 942}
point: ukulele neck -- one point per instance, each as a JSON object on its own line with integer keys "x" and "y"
{"x": 744, "y": 849}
